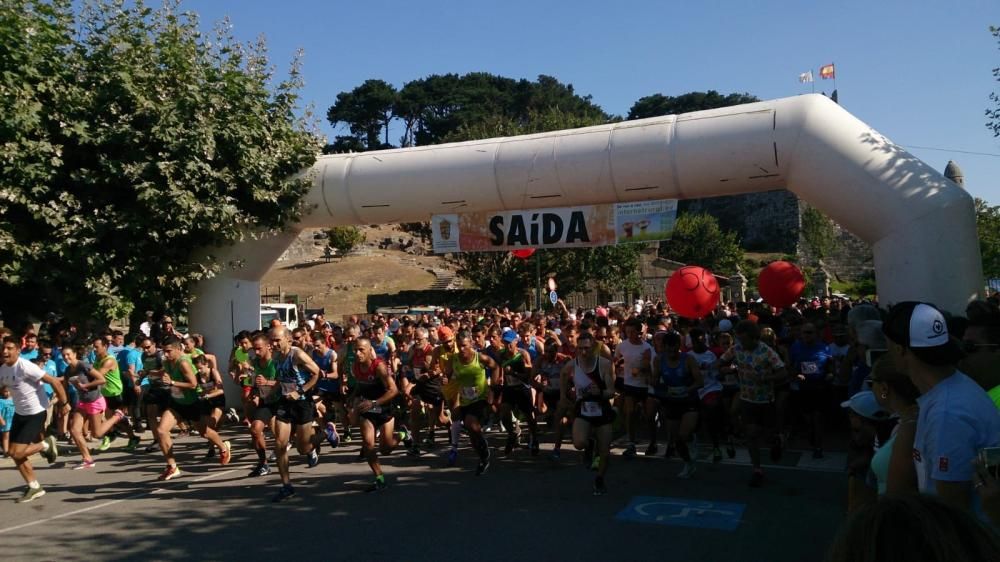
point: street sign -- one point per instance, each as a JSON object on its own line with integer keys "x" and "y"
{"x": 683, "y": 512}
{"x": 553, "y": 297}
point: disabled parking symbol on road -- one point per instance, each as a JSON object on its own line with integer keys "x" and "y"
{"x": 683, "y": 512}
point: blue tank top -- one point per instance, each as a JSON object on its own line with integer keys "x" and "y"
{"x": 531, "y": 348}
{"x": 289, "y": 376}
{"x": 382, "y": 349}
{"x": 325, "y": 364}
{"x": 672, "y": 382}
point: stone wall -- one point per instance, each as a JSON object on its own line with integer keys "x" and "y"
{"x": 770, "y": 222}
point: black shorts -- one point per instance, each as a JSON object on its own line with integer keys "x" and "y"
{"x": 295, "y": 412}
{"x": 128, "y": 392}
{"x": 813, "y": 396}
{"x": 263, "y": 413}
{"x": 428, "y": 393}
{"x": 675, "y": 408}
{"x": 619, "y": 385}
{"x": 212, "y": 404}
{"x": 479, "y": 410}
{"x": 187, "y": 412}
{"x": 635, "y": 392}
{"x": 114, "y": 402}
{"x": 551, "y": 398}
{"x": 607, "y": 413}
{"x": 378, "y": 419}
{"x": 753, "y": 413}
{"x": 27, "y": 429}
{"x": 518, "y": 398}
{"x": 158, "y": 396}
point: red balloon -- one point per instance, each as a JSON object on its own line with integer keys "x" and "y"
{"x": 692, "y": 291}
{"x": 781, "y": 284}
{"x": 524, "y": 253}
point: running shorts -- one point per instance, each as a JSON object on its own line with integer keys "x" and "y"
{"x": 295, "y": 412}
{"x": 27, "y": 429}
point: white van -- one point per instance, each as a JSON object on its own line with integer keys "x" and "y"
{"x": 287, "y": 314}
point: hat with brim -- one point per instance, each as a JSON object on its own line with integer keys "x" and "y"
{"x": 922, "y": 328}
{"x": 865, "y": 405}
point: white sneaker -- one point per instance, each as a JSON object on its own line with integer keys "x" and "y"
{"x": 688, "y": 471}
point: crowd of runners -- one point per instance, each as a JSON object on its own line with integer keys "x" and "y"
{"x": 746, "y": 376}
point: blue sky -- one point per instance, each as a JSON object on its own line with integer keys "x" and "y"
{"x": 918, "y": 71}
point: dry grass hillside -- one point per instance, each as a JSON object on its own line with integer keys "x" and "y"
{"x": 343, "y": 285}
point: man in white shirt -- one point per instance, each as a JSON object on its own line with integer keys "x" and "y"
{"x": 25, "y": 381}
{"x": 956, "y": 418}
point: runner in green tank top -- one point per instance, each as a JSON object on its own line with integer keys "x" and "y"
{"x": 263, "y": 400}
{"x": 241, "y": 371}
{"x": 106, "y": 365}
{"x": 467, "y": 371}
{"x": 179, "y": 375}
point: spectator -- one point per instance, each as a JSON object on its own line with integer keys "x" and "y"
{"x": 892, "y": 464}
{"x": 956, "y": 417}
{"x": 913, "y": 528}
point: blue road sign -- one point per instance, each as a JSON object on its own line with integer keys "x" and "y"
{"x": 683, "y": 512}
{"x": 553, "y": 297}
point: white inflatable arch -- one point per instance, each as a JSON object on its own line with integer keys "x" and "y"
{"x": 920, "y": 224}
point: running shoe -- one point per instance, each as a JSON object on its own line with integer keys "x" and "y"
{"x": 232, "y": 416}
{"x": 286, "y": 491}
{"x": 413, "y": 451}
{"x": 31, "y": 494}
{"x": 52, "y": 452}
{"x": 452, "y": 457}
{"x": 484, "y": 464}
{"x": 105, "y": 443}
{"x": 716, "y": 455}
{"x": 406, "y": 437}
{"x": 555, "y": 455}
{"x": 85, "y": 465}
{"x": 652, "y": 449}
{"x": 331, "y": 435}
{"x": 152, "y": 447}
{"x": 262, "y": 469}
{"x": 429, "y": 440}
{"x": 347, "y": 436}
{"x": 377, "y": 486}
{"x": 509, "y": 447}
{"x": 312, "y": 459}
{"x": 688, "y": 471}
{"x": 133, "y": 444}
{"x": 599, "y": 487}
{"x": 226, "y": 454}
{"x": 629, "y": 451}
{"x": 172, "y": 471}
{"x": 756, "y": 479}
{"x": 210, "y": 452}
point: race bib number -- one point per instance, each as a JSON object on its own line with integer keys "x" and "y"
{"x": 177, "y": 393}
{"x": 677, "y": 391}
{"x": 288, "y": 388}
{"x": 208, "y": 386}
{"x": 590, "y": 409}
{"x": 470, "y": 392}
{"x": 810, "y": 368}
{"x": 264, "y": 391}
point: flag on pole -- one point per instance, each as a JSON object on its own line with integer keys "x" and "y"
{"x": 806, "y": 77}
{"x": 826, "y": 71}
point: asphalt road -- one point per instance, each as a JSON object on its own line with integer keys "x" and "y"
{"x": 524, "y": 508}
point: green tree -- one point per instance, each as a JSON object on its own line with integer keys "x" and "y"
{"x": 344, "y": 238}
{"x": 988, "y": 225}
{"x": 129, "y": 141}
{"x": 698, "y": 240}
{"x": 367, "y": 110}
{"x": 660, "y": 104}
{"x": 818, "y": 232}
{"x": 993, "y": 114}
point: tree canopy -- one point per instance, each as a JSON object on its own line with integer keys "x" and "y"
{"x": 659, "y": 104}
{"x": 698, "y": 240}
{"x": 130, "y": 140}
{"x": 988, "y": 225}
{"x": 993, "y": 113}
